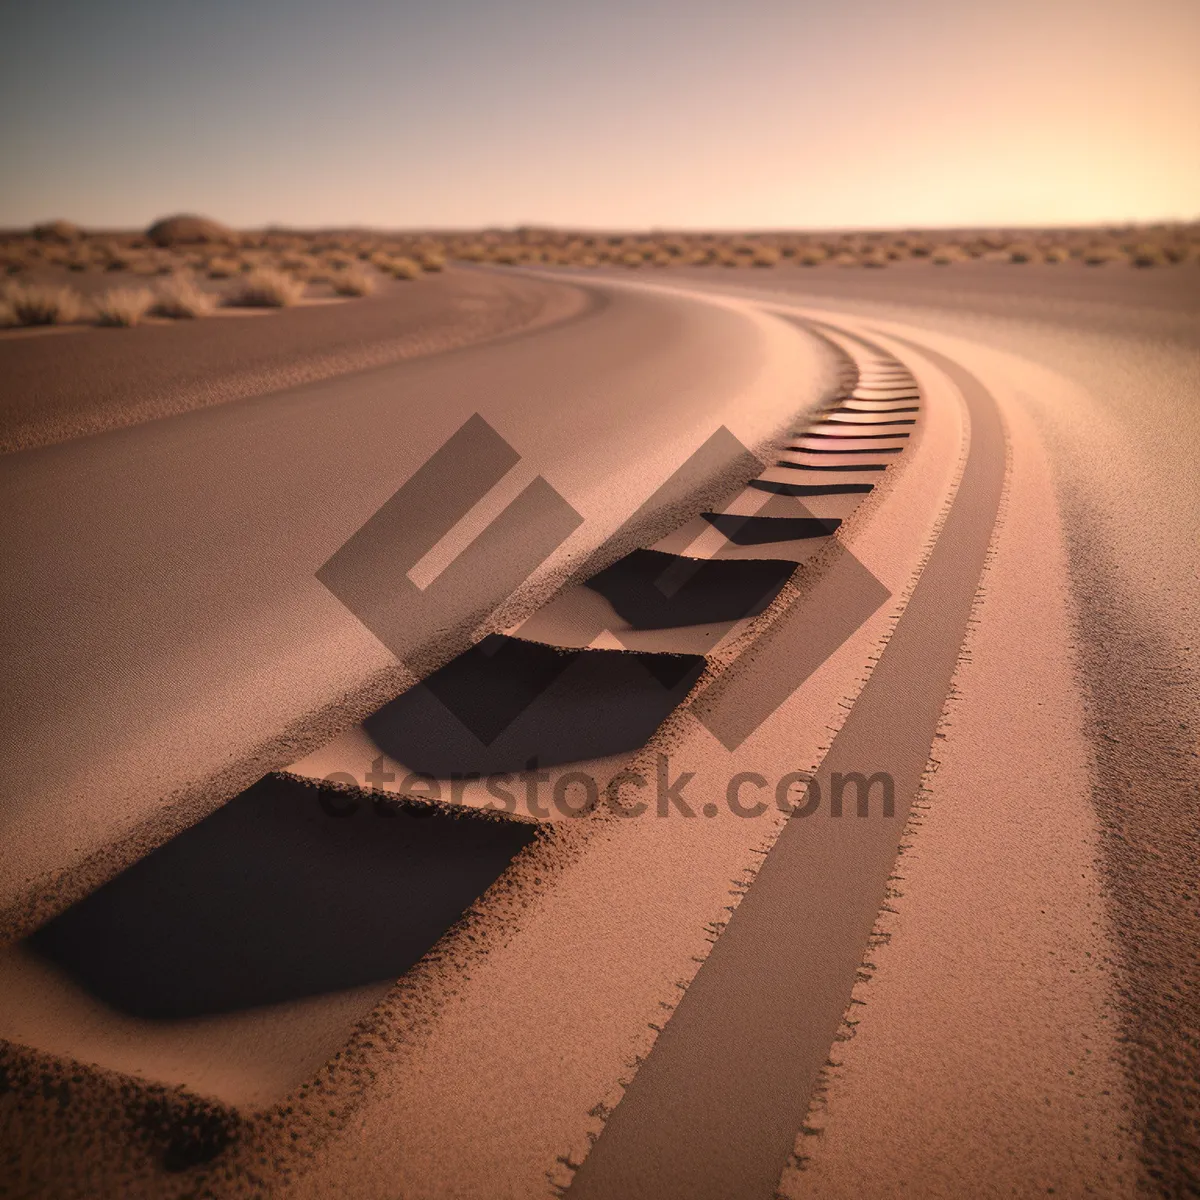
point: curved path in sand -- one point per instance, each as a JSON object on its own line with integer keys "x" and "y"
{"x": 1021, "y": 1018}
{"x": 987, "y": 991}
{"x": 166, "y": 638}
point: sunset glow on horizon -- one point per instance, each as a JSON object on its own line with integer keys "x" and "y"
{"x": 623, "y": 116}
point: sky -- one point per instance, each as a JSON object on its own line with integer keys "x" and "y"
{"x": 623, "y": 114}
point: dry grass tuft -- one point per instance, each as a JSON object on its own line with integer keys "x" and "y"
{"x": 148, "y": 266}
{"x": 267, "y": 287}
{"x": 354, "y": 281}
{"x": 301, "y": 265}
{"x": 122, "y": 307}
{"x": 1148, "y": 256}
{"x": 41, "y": 304}
{"x": 404, "y": 268}
{"x": 180, "y": 298}
{"x": 945, "y": 256}
{"x": 223, "y": 268}
{"x": 1099, "y": 256}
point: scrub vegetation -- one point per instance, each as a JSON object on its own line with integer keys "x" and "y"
{"x": 189, "y": 266}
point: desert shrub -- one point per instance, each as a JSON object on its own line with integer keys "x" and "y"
{"x": 266, "y": 287}
{"x": 432, "y": 262}
{"x": 765, "y": 256}
{"x": 301, "y": 264}
{"x": 223, "y": 268}
{"x": 355, "y": 281}
{"x": 1099, "y": 256}
{"x": 61, "y": 232}
{"x": 147, "y": 266}
{"x": 1022, "y": 254}
{"x": 1148, "y": 256}
{"x": 14, "y": 260}
{"x": 186, "y": 230}
{"x": 319, "y": 272}
{"x": 810, "y": 258}
{"x": 405, "y": 268}
{"x": 180, "y": 298}
{"x": 1056, "y": 254}
{"x": 122, "y": 306}
{"x": 41, "y": 304}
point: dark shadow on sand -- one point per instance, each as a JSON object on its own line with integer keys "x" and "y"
{"x": 654, "y": 590}
{"x": 506, "y": 702}
{"x": 761, "y": 531}
{"x": 273, "y": 897}
{"x": 811, "y": 489}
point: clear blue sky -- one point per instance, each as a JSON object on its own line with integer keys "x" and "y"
{"x": 627, "y": 114}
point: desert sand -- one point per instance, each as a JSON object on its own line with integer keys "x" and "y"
{"x": 1018, "y": 1020}
{"x": 105, "y": 379}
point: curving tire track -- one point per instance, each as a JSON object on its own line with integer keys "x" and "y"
{"x": 810, "y": 910}
{"x": 755, "y": 1027}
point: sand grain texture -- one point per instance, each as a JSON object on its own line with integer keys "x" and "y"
{"x": 983, "y": 1053}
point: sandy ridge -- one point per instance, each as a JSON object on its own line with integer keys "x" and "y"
{"x": 980, "y": 1052}
{"x": 97, "y": 380}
